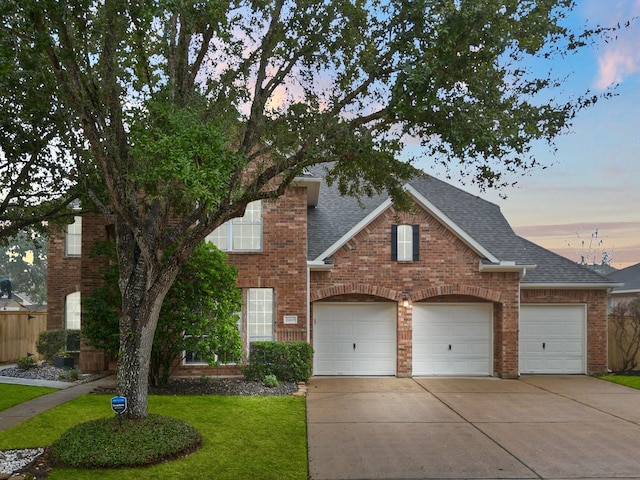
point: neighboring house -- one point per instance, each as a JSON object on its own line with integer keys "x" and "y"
{"x": 444, "y": 289}
{"x": 630, "y": 277}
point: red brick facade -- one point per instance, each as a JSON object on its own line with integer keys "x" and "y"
{"x": 448, "y": 270}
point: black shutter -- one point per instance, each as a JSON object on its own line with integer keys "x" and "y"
{"x": 416, "y": 242}
{"x": 394, "y": 243}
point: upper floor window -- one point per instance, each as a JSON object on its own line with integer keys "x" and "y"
{"x": 405, "y": 243}
{"x": 73, "y": 238}
{"x": 240, "y": 234}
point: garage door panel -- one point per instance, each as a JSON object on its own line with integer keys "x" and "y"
{"x": 552, "y": 339}
{"x": 452, "y": 339}
{"x": 370, "y": 326}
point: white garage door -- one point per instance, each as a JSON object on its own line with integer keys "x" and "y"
{"x": 552, "y": 338}
{"x": 354, "y": 338}
{"x": 452, "y": 339}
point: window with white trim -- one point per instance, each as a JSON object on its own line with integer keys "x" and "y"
{"x": 405, "y": 243}
{"x": 194, "y": 358}
{"x": 73, "y": 238}
{"x": 259, "y": 315}
{"x": 72, "y": 320}
{"x": 240, "y": 234}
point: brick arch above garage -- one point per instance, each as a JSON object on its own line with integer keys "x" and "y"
{"x": 457, "y": 290}
{"x": 356, "y": 289}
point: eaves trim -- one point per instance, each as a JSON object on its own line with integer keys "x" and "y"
{"x": 624, "y": 292}
{"x": 567, "y": 286}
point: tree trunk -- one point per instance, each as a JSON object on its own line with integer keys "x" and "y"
{"x": 142, "y": 296}
{"x": 136, "y": 340}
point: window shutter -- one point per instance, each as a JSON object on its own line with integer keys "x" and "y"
{"x": 416, "y": 242}
{"x": 394, "y": 243}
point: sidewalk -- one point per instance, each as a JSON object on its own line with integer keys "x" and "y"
{"x": 67, "y": 391}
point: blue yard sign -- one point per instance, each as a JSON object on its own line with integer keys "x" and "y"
{"x": 119, "y": 405}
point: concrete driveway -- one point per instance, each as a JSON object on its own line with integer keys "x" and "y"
{"x": 552, "y": 427}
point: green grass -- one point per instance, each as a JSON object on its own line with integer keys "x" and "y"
{"x": 632, "y": 381}
{"x": 243, "y": 437}
{"x": 12, "y": 395}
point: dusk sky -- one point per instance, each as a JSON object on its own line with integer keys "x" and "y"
{"x": 594, "y": 181}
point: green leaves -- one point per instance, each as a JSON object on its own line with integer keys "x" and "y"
{"x": 180, "y": 155}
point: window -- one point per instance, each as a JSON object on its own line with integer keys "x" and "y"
{"x": 72, "y": 321}
{"x": 73, "y": 238}
{"x": 240, "y": 234}
{"x": 194, "y": 358}
{"x": 405, "y": 243}
{"x": 259, "y": 315}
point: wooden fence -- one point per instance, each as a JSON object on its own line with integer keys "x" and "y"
{"x": 19, "y": 332}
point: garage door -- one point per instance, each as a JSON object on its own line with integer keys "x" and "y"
{"x": 552, "y": 338}
{"x": 354, "y": 338}
{"x": 452, "y": 339}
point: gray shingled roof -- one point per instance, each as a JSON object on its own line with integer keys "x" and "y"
{"x": 630, "y": 276}
{"x": 335, "y": 215}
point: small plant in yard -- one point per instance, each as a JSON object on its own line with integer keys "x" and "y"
{"x": 71, "y": 375}
{"x": 50, "y": 342}
{"x": 104, "y": 443}
{"x": 270, "y": 381}
{"x": 27, "y": 362}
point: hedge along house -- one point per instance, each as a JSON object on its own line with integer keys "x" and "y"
{"x": 446, "y": 288}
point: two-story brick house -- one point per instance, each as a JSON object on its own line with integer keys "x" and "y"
{"x": 446, "y": 288}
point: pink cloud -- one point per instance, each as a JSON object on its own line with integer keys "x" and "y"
{"x": 619, "y": 57}
{"x": 617, "y": 63}
{"x": 619, "y": 240}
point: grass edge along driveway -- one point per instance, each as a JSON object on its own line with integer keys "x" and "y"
{"x": 243, "y": 437}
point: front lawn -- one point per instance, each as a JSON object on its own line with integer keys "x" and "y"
{"x": 12, "y": 395}
{"x": 632, "y": 381}
{"x": 243, "y": 437}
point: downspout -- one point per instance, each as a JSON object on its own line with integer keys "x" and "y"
{"x": 523, "y": 273}
{"x": 308, "y": 304}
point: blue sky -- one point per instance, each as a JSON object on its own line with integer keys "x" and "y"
{"x": 594, "y": 181}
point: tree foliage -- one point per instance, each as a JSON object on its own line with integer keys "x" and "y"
{"x": 36, "y": 182}
{"x": 198, "y": 314}
{"x": 25, "y": 263}
{"x": 191, "y": 110}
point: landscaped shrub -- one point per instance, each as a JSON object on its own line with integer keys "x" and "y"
{"x": 50, "y": 342}
{"x": 104, "y": 443}
{"x": 289, "y": 362}
{"x": 25, "y": 363}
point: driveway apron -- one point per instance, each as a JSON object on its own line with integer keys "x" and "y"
{"x": 552, "y": 427}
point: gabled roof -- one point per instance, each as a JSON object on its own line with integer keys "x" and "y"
{"x": 477, "y": 222}
{"x": 630, "y": 276}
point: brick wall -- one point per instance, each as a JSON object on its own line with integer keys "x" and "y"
{"x": 281, "y": 265}
{"x": 95, "y": 228}
{"x": 63, "y": 278}
{"x": 448, "y": 270}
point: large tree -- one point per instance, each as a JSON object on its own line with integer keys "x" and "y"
{"x": 192, "y": 109}
{"x": 36, "y": 187}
